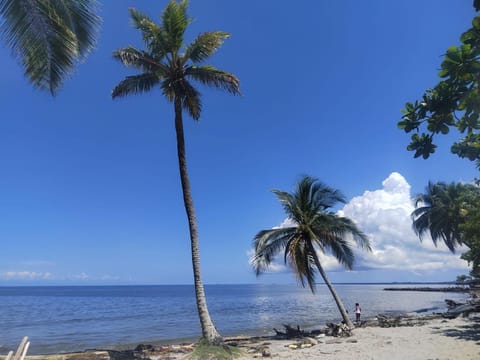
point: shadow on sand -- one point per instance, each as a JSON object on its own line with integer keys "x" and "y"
{"x": 470, "y": 332}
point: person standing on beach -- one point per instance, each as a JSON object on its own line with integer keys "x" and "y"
{"x": 358, "y": 312}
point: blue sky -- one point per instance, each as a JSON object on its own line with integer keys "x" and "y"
{"x": 90, "y": 191}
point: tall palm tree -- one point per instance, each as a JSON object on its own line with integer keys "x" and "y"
{"x": 315, "y": 229}
{"x": 49, "y": 36}
{"x": 439, "y": 212}
{"x": 170, "y": 66}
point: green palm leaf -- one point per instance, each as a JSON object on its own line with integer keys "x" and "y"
{"x": 191, "y": 99}
{"x": 267, "y": 244}
{"x": 82, "y": 20}
{"x": 142, "y": 22}
{"x": 49, "y": 37}
{"x": 175, "y": 21}
{"x": 302, "y": 261}
{"x": 141, "y": 60}
{"x": 288, "y": 202}
{"x": 135, "y": 84}
{"x": 439, "y": 213}
{"x": 213, "y": 77}
{"x": 205, "y": 45}
{"x": 153, "y": 35}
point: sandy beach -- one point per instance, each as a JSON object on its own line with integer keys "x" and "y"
{"x": 438, "y": 339}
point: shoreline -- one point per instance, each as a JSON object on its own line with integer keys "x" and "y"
{"x": 409, "y": 336}
{"x": 246, "y": 335}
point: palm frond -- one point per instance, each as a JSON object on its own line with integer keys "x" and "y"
{"x": 311, "y": 198}
{"x": 330, "y": 229}
{"x": 80, "y": 15}
{"x": 142, "y": 22}
{"x": 267, "y": 245}
{"x": 360, "y": 238}
{"x": 326, "y": 196}
{"x": 303, "y": 191}
{"x": 135, "y": 84}
{"x": 213, "y": 77}
{"x": 316, "y": 195}
{"x": 287, "y": 201}
{"x": 342, "y": 251}
{"x": 438, "y": 213}
{"x": 141, "y": 60}
{"x": 175, "y": 21}
{"x": 191, "y": 100}
{"x": 153, "y": 35}
{"x": 49, "y": 37}
{"x": 301, "y": 259}
{"x": 204, "y": 46}
{"x": 421, "y": 221}
{"x": 168, "y": 90}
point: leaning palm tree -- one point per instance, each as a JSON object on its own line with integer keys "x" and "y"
{"x": 49, "y": 36}
{"x": 439, "y": 213}
{"x": 315, "y": 229}
{"x": 166, "y": 63}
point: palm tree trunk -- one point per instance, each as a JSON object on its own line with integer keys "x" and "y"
{"x": 337, "y": 299}
{"x": 209, "y": 332}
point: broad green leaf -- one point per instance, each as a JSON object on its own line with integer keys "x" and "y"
{"x": 453, "y": 55}
{"x": 476, "y": 22}
{"x": 444, "y": 73}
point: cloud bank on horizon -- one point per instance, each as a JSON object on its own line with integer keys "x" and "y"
{"x": 384, "y": 216}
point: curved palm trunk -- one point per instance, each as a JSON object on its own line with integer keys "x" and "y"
{"x": 209, "y": 332}
{"x": 337, "y": 299}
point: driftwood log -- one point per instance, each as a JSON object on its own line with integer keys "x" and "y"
{"x": 337, "y": 330}
{"x": 21, "y": 350}
{"x": 456, "y": 309}
{"x": 452, "y": 303}
{"x": 290, "y": 332}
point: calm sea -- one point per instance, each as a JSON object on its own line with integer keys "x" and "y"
{"x": 63, "y": 319}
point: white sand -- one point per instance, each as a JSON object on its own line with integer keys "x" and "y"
{"x": 439, "y": 339}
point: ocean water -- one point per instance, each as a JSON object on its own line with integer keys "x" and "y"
{"x": 64, "y": 319}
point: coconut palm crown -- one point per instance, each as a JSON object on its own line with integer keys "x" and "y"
{"x": 167, "y": 64}
{"x": 49, "y": 36}
{"x": 315, "y": 229}
{"x": 439, "y": 212}
{"x": 163, "y": 64}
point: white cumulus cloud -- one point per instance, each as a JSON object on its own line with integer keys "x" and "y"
{"x": 384, "y": 215}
